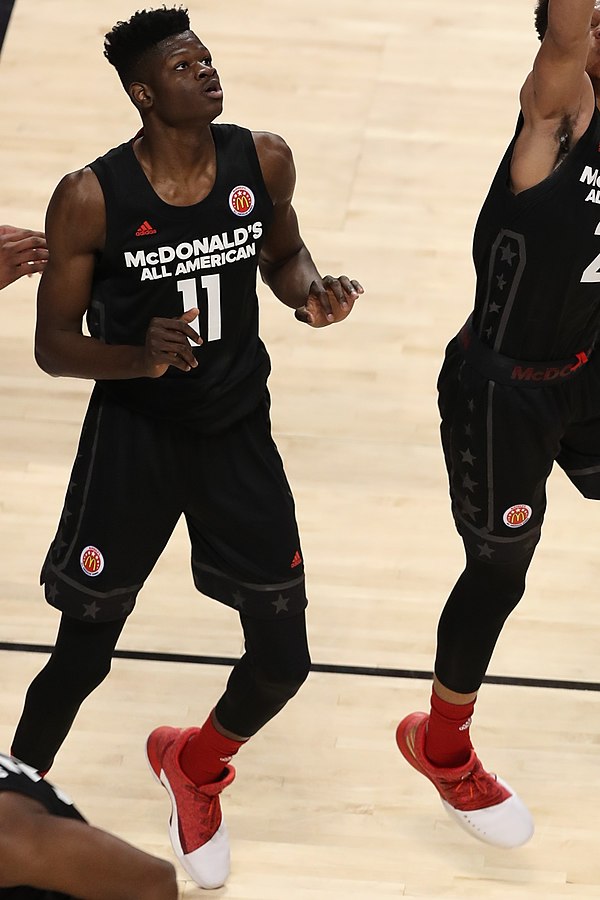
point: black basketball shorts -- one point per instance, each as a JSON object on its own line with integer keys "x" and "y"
{"x": 503, "y": 425}
{"x": 132, "y": 479}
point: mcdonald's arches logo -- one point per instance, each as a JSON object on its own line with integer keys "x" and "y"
{"x": 516, "y": 516}
{"x": 241, "y": 200}
{"x": 91, "y": 561}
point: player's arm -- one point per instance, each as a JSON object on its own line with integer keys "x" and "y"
{"x": 22, "y": 252}
{"x": 286, "y": 265}
{"x": 69, "y": 856}
{"x": 75, "y": 231}
{"x": 557, "y": 98}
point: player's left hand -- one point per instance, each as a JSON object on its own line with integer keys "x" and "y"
{"x": 329, "y": 300}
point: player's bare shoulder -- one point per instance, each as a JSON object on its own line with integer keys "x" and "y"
{"x": 79, "y": 187}
{"x": 277, "y": 164}
{"x": 77, "y": 208}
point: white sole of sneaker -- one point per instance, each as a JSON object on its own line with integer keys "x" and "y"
{"x": 209, "y": 865}
{"x": 508, "y": 824}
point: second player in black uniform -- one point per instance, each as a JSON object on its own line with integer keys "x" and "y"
{"x": 158, "y": 243}
{"x": 518, "y": 391}
{"x": 49, "y": 852}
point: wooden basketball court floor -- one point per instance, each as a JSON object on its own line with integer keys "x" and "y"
{"x": 398, "y": 112}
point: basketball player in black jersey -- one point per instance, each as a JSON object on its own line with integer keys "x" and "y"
{"x": 518, "y": 391}
{"x": 49, "y": 852}
{"x": 158, "y": 243}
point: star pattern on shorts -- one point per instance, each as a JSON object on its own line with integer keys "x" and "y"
{"x": 127, "y": 606}
{"x": 52, "y": 592}
{"x": 91, "y": 610}
{"x": 238, "y": 600}
{"x": 469, "y": 484}
{"x": 469, "y": 509}
{"x": 530, "y": 542}
{"x": 485, "y": 551}
{"x": 281, "y": 604}
{"x": 464, "y": 485}
{"x": 59, "y": 544}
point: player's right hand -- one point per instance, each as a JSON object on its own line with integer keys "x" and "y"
{"x": 167, "y": 344}
{"x": 22, "y": 252}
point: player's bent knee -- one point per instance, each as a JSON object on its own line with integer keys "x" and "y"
{"x": 91, "y": 672}
{"x": 97, "y": 674}
{"x": 280, "y": 686}
{"x": 501, "y": 583}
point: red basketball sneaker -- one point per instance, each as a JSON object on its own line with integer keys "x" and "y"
{"x": 197, "y": 829}
{"x": 480, "y": 802}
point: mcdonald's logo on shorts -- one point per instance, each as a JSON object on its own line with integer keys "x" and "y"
{"x": 91, "y": 561}
{"x": 517, "y": 515}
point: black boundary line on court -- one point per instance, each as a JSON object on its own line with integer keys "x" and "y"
{"x": 370, "y": 671}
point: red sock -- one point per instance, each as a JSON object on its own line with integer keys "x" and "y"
{"x": 206, "y": 754}
{"x": 447, "y": 743}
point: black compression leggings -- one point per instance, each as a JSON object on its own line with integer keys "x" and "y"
{"x": 270, "y": 672}
{"x": 472, "y": 619}
{"x": 274, "y": 666}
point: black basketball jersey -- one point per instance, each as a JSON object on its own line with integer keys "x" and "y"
{"x": 19, "y": 778}
{"x": 160, "y": 260}
{"x": 537, "y": 258}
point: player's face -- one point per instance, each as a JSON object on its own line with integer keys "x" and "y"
{"x": 185, "y": 82}
{"x": 593, "y": 60}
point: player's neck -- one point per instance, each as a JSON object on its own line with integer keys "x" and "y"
{"x": 180, "y": 165}
{"x": 182, "y": 149}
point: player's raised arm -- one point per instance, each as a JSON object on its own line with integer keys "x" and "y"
{"x": 559, "y": 83}
{"x": 557, "y": 98}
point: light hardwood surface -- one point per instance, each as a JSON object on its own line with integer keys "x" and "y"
{"x": 397, "y": 112}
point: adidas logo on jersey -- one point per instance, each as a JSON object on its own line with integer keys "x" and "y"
{"x": 296, "y": 560}
{"x": 144, "y": 229}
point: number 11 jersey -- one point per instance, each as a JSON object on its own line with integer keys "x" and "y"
{"x": 160, "y": 260}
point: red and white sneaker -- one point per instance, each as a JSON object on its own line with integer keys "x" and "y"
{"x": 480, "y": 802}
{"x": 197, "y": 829}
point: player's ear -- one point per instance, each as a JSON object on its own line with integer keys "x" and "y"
{"x": 140, "y": 94}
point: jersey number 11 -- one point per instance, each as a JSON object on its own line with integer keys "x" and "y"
{"x": 212, "y": 286}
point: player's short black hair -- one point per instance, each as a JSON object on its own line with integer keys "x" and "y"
{"x": 541, "y": 18}
{"x": 128, "y": 42}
